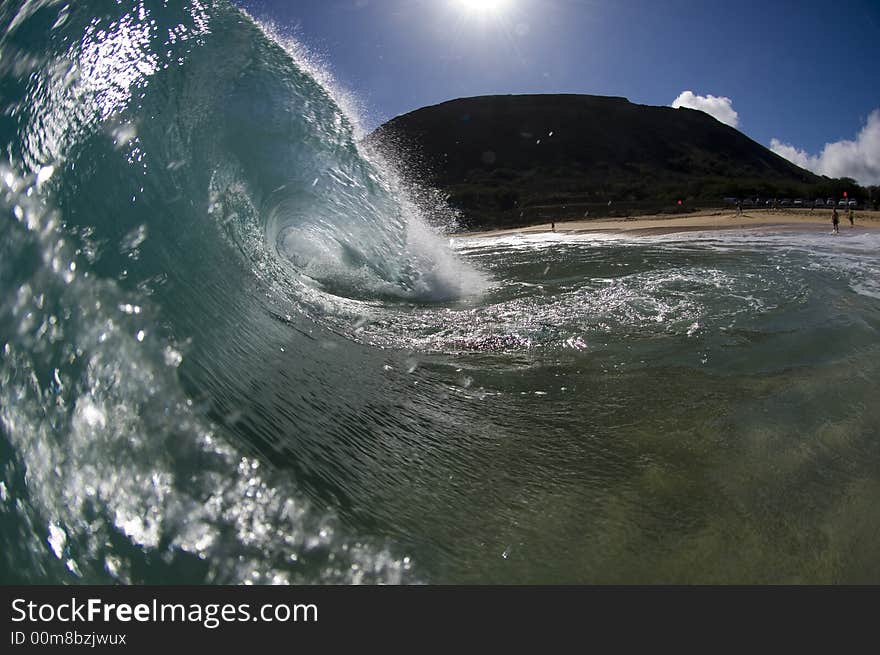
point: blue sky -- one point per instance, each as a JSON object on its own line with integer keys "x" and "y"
{"x": 799, "y": 75}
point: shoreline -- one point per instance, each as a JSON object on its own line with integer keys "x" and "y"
{"x": 710, "y": 219}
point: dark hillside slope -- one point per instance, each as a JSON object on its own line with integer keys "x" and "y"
{"x": 511, "y": 159}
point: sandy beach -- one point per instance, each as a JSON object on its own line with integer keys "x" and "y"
{"x": 712, "y": 219}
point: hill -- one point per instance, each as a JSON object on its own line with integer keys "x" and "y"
{"x": 517, "y": 159}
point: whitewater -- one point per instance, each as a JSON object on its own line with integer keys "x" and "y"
{"x": 237, "y": 347}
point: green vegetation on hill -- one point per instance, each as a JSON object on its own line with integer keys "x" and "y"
{"x": 518, "y": 159}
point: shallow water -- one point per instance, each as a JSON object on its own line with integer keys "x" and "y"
{"x": 686, "y": 408}
{"x": 233, "y": 351}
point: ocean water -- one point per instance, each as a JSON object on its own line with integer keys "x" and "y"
{"x": 232, "y": 350}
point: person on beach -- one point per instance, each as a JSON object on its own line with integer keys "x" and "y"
{"x": 739, "y": 208}
{"x": 849, "y": 215}
{"x": 835, "y": 221}
{"x": 553, "y": 225}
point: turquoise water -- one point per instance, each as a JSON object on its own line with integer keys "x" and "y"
{"x": 234, "y": 351}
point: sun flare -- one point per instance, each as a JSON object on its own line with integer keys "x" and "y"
{"x": 483, "y": 7}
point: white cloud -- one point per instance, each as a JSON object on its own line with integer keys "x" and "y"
{"x": 794, "y": 155}
{"x": 858, "y": 159}
{"x": 719, "y": 107}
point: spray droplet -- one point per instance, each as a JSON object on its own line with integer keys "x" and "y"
{"x": 45, "y": 174}
{"x": 172, "y": 357}
{"x": 123, "y": 134}
{"x": 57, "y": 539}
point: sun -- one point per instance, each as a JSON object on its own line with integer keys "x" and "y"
{"x": 483, "y": 7}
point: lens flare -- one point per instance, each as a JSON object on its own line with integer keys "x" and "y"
{"x": 483, "y": 7}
